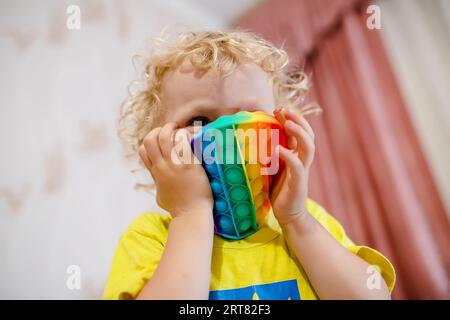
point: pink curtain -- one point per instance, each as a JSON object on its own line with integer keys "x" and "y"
{"x": 370, "y": 171}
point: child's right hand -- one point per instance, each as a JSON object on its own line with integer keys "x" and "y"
{"x": 181, "y": 189}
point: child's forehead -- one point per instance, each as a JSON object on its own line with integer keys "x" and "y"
{"x": 247, "y": 81}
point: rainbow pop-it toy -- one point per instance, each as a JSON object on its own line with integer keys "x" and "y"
{"x": 237, "y": 153}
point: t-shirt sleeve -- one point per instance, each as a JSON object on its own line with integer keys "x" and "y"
{"x": 136, "y": 256}
{"x": 371, "y": 256}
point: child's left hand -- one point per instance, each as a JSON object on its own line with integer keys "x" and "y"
{"x": 289, "y": 194}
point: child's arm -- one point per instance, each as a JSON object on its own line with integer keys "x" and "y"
{"x": 334, "y": 272}
{"x": 185, "y": 266}
{"x": 183, "y": 190}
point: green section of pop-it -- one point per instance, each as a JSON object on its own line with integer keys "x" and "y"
{"x": 244, "y": 224}
{"x": 238, "y": 193}
{"x": 235, "y": 185}
{"x": 242, "y": 210}
{"x": 234, "y": 175}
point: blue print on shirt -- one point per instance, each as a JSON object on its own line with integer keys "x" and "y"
{"x": 283, "y": 290}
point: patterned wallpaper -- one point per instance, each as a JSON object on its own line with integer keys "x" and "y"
{"x": 66, "y": 191}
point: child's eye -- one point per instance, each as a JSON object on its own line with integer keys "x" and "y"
{"x": 199, "y": 120}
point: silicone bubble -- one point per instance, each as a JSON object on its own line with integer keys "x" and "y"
{"x": 211, "y": 168}
{"x": 239, "y": 189}
{"x": 257, "y": 185}
{"x": 253, "y": 171}
{"x": 216, "y": 186}
{"x": 242, "y": 210}
{"x": 224, "y": 222}
{"x": 258, "y": 200}
{"x": 238, "y": 193}
{"x": 244, "y": 224}
{"x": 234, "y": 175}
{"x": 221, "y": 205}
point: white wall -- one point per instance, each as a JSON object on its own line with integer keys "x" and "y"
{"x": 66, "y": 193}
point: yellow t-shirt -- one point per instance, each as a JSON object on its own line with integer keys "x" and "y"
{"x": 260, "y": 266}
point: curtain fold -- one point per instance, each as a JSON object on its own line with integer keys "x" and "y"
{"x": 370, "y": 171}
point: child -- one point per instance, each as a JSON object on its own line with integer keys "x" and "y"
{"x": 301, "y": 252}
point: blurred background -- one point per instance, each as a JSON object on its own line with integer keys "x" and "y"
{"x": 380, "y": 70}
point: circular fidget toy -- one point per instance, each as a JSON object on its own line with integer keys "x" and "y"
{"x": 237, "y": 153}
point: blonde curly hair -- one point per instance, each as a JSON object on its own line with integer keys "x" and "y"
{"x": 142, "y": 110}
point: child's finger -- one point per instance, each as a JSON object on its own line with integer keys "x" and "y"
{"x": 290, "y": 141}
{"x": 143, "y": 155}
{"x": 292, "y": 162}
{"x": 304, "y": 141}
{"x": 182, "y": 146}
{"x": 165, "y": 139}
{"x": 291, "y": 115}
{"x": 279, "y": 115}
{"x": 152, "y": 146}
